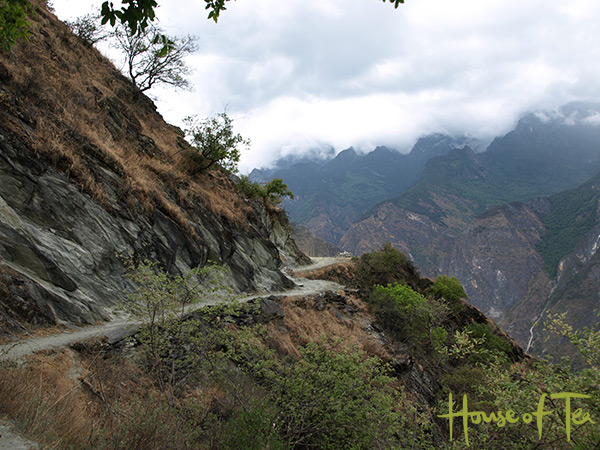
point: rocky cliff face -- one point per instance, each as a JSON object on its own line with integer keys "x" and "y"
{"x": 281, "y": 234}
{"x": 576, "y": 286}
{"x": 89, "y": 173}
{"x": 501, "y": 260}
{"x": 495, "y": 257}
{"x": 520, "y": 261}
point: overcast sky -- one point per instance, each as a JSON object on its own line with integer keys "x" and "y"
{"x": 302, "y": 74}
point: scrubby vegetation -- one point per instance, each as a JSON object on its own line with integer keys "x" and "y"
{"x": 402, "y": 311}
{"x": 225, "y": 377}
{"x": 450, "y": 290}
{"x": 384, "y": 267}
{"x": 373, "y": 367}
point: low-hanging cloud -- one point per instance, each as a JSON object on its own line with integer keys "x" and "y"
{"x": 302, "y": 74}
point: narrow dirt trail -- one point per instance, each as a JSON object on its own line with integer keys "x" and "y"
{"x": 117, "y": 329}
{"x": 320, "y": 262}
{"x": 121, "y": 327}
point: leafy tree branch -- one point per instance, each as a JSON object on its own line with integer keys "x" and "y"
{"x": 214, "y": 142}
{"x": 13, "y": 21}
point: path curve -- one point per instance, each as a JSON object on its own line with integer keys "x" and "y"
{"x": 319, "y": 262}
{"x": 117, "y": 329}
{"x": 120, "y": 328}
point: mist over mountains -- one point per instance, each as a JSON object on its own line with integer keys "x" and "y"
{"x": 505, "y": 221}
{"x": 332, "y": 193}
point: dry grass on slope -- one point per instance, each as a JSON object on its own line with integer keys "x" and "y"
{"x": 46, "y": 399}
{"x": 91, "y": 398}
{"x": 98, "y": 396}
{"x": 310, "y": 319}
{"x": 75, "y": 108}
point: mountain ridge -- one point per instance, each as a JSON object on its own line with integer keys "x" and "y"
{"x": 330, "y": 194}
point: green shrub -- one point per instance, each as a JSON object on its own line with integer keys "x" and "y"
{"x": 160, "y": 303}
{"x": 449, "y": 289}
{"x": 494, "y": 344}
{"x": 438, "y": 337}
{"x": 336, "y": 397}
{"x": 273, "y": 191}
{"x": 13, "y": 21}
{"x": 214, "y": 142}
{"x": 250, "y": 188}
{"x": 403, "y": 311}
{"x": 465, "y": 379}
{"x": 400, "y": 294}
{"x": 385, "y": 266}
{"x": 276, "y": 190}
{"x": 253, "y": 427}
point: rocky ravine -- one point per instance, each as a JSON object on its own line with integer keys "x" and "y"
{"x": 451, "y": 222}
{"x": 495, "y": 258}
{"x": 498, "y": 260}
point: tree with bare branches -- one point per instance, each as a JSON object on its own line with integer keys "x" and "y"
{"x": 152, "y": 58}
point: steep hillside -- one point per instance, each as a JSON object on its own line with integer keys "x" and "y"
{"x": 519, "y": 261}
{"x": 424, "y": 220}
{"x": 90, "y": 173}
{"x": 362, "y": 368}
{"x": 495, "y": 257}
{"x": 461, "y": 219}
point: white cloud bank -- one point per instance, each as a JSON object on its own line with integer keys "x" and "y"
{"x": 298, "y": 74}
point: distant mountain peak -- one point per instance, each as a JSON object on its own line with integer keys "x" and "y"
{"x": 348, "y": 151}
{"x": 382, "y": 149}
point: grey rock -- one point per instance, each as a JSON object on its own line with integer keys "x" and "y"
{"x": 69, "y": 247}
{"x": 270, "y": 309}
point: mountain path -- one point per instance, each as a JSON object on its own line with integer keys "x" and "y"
{"x": 117, "y": 329}
{"x": 121, "y": 327}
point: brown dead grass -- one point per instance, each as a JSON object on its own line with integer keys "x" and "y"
{"x": 304, "y": 322}
{"x": 93, "y": 399}
{"x": 46, "y": 400}
{"x": 218, "y": 194}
